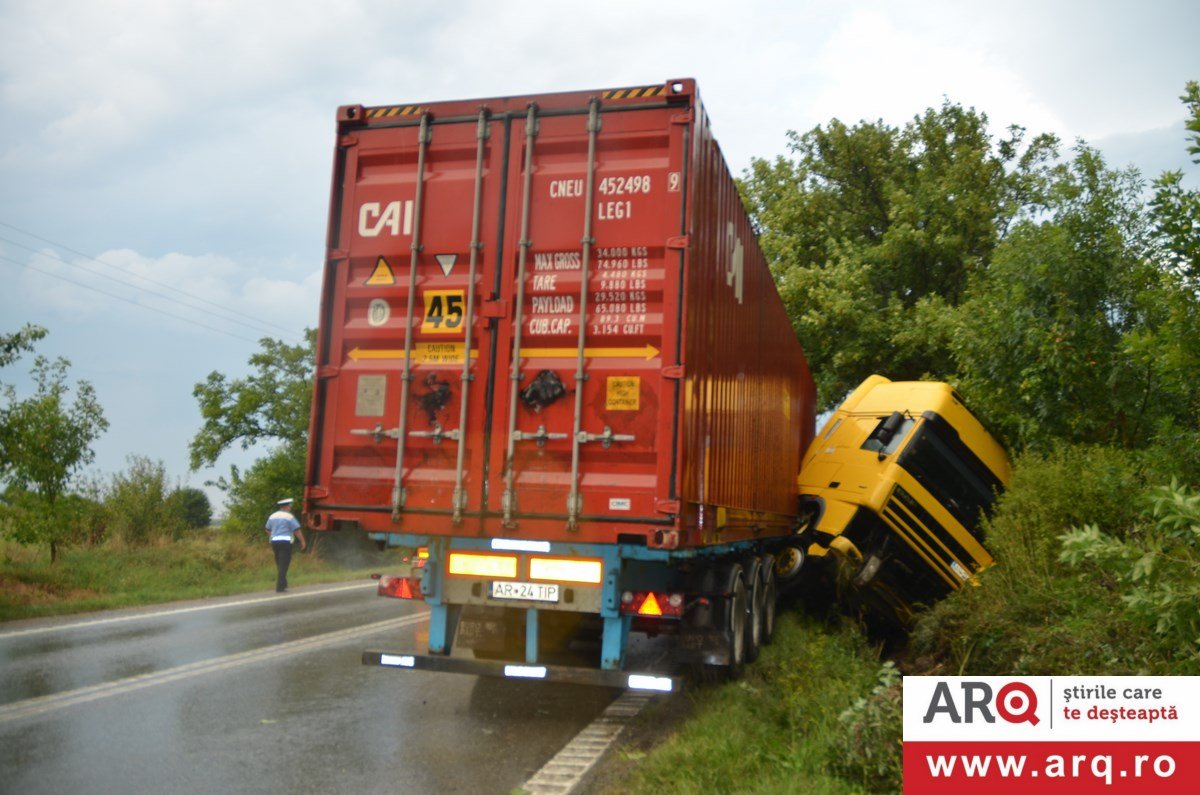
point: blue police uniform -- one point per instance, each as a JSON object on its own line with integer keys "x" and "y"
{"x": 281, "y": 527}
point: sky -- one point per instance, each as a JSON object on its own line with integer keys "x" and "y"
{"x": 165, "y": 165}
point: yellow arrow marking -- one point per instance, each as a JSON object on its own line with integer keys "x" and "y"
{"x": 423, "y": 353}
{"x": 449, "y": 352}
{"x": 647, "y": 352}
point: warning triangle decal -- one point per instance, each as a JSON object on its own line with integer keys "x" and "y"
{"x": 382, "y": 275}
{"x": 446, "y": 261}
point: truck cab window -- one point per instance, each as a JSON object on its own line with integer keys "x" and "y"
{"x": 879, "y": 442}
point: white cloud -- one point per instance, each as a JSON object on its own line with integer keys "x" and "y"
{"x": 874, "y": 67}
{"x": 205, "y": 295}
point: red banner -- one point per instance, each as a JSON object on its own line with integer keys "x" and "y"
{"x": 1051, "y": 768}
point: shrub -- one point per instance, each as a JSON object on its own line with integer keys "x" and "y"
{"x": 872, "y": 735}
{"x": 136, "y": 501}
{"x": 1158, "y": 568}
{"x": 1033, "y": 613}
{"x": 192, "y": 506}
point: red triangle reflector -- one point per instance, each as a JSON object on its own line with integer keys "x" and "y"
{"x": 650, "y": 606}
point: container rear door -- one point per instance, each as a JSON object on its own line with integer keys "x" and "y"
{"x": 397, "y": 192}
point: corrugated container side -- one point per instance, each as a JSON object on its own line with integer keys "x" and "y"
{"x": 750, "y": 398}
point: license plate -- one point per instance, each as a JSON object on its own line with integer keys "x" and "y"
{"x": 525, "y": 591}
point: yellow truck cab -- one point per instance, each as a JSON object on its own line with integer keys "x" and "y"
{"x": 896, "y": 485}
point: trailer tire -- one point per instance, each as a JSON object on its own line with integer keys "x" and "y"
{"x": 730, "y": 611}
{"x": 770, "y": 599}
{"x": 736, "y": 610}
{"x": 755, "y": 607}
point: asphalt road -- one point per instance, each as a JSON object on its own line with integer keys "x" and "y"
{"x": 264, "y": 693}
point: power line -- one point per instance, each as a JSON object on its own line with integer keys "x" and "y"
{"x": 36, "y": 269}
{"x": 265, "y": 328}
{"x": 259, "y": 324}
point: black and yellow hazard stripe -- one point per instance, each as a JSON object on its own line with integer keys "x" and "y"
{"x": 635, "y": 93}
{"x": 387, "y": 113}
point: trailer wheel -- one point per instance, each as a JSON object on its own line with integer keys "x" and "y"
{"x": 755, "y": 607}
{"x": 736, "y": 610}
{"x": 770, "y": 598}
{"x": 732, "y": 610}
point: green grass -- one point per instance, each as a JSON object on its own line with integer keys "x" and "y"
{"x": 117, "y": 575}
{"x": 778, "y": 729}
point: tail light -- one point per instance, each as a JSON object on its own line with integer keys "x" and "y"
{"x": 652, "y": 604}
{"x": 400, "y": 587}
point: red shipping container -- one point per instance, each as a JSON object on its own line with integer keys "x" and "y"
{"x": 558, "y": 304}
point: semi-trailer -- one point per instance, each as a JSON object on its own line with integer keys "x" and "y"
{"x": 552, "y": 363}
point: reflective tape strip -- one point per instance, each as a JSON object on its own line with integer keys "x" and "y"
{"x": 634, "y": 93}
{"x": 402, "y": 110}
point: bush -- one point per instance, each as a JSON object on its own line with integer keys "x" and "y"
{"x": 1158, "y": 568}
{"x": 192, "y": 506}
{"x": 252, "y": 496}
{"x": 137, "y": 503}
{"x": 872, "y": 735}
{"x": 1035, "y": 614}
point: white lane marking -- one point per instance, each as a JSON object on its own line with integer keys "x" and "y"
{"x": 562, "y": 774}
{"x": 56, "y": 701}
{"x": 180, "y": 610}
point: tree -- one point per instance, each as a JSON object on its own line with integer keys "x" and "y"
{"x": 271, "y": 405}
{"x": 1176, "y": 210}
{"x": 46, "y": 439}
{"x": 13, "y": 345}
{"x": 192, "y": 506}
{"x": 1042, "y": 344}
{"x": 138, "y": 502}
{"x": 874, "y": 232}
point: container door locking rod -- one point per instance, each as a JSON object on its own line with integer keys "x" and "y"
{"x": 508, "y": 501}
{"x": 574, "y": 498}
{"x": 460, "y": 497}
{"x": 398, "y": 491}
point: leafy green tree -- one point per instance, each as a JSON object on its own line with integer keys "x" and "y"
{"x": 138, "y": 504}
{"x": 192, "y": 505}
{"x": 271, "y": 405}
{"x": 1191, "y": 98}
{"x": 46, "y": 439}
{"x": 1044, "y": 345}
{"x": 13, "y": 345}
{"x": 1176, "y": 210}
{"x": 875, "y": 231}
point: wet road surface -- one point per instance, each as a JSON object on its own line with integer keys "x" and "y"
{"x": 264, "y": 693}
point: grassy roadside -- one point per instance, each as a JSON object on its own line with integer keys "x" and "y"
{"x": 818, "y": 713}
{"x": 117, "y": 575}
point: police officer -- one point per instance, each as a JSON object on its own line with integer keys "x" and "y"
{"x": 281, "y": 527}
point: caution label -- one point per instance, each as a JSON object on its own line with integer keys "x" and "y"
{"x": 382, "y": 275}
{"x": 439, "y": 353}
{"x": 622, "y": 393}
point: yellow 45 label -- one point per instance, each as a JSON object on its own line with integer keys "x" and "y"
{"x": 445, "y": 312}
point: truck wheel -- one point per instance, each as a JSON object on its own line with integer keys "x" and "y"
{"x": 732, "y": 610}
{"x": 736, "y": 611}
{"x": 770, "y": 597}
{"x": 755, "y": 607}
